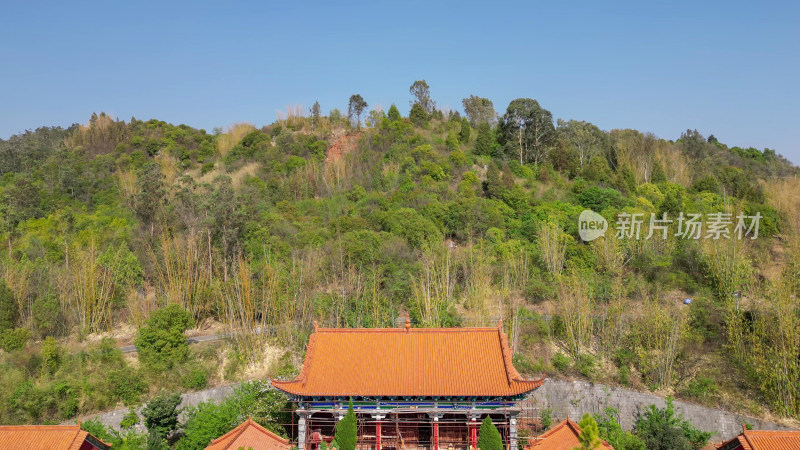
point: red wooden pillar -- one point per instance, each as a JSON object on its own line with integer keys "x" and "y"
{"x": 473, "y": 433}
{"x": 435, "y": 433}
{"x": 378, "y": 431}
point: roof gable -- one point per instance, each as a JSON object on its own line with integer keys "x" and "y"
{"x": 764, "y": 440}
{"x": 249, "y": 434}
{"x": 563, "y": 436}
{"x": 47, "y": 437}
{"x": 419, "y": 362}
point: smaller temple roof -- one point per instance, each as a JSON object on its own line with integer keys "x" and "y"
{"x": 48, "y": 437}
{"x": 249, "y": 435}
{"x": 563, "y": 436}
{"x": 763, "y": 440}
{"x": 408, "y": 362}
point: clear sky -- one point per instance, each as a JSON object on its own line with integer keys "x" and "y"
{"x": 727, "y": 68}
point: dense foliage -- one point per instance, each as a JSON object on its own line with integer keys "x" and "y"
{"x": 455, "y": 220}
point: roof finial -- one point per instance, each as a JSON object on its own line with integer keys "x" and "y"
{"x": 744, "y": 427}
{"x": 500, "y": 324}
{"x": 408, "y": 322}
{"x": 316, "y": 326}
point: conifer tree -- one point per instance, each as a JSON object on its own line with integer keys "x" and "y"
{"x": 347, "y": 430}
{"x": 489, "y": 438}
{"x": 590, "y": 434}
{"x": 394, "y": 113}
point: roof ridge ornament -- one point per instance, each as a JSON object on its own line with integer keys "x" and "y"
{"x": 408, "y": 322}
{"x": 316, "y": 326}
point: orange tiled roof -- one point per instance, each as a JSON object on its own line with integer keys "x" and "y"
{"x": 48, "y": 437}
{"x": 563, "y": 436}
{"x": 425, "y": 362}
{"x": 764, "y": 440}
{"x": 249, "y": 435}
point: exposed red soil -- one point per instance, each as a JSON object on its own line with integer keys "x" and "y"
{"x": 342, "y": 146}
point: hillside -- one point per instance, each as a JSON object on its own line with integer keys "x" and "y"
{"x": 459, "y": 221}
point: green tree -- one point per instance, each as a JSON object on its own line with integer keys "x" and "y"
{"x": 315, "y": 114}
{"x": 355, "y": 107}
{"x": 418, "y": 116}
{"x": 347, "y": 429}
{"x": 161, "y": 343}
{"x": 584, "y": 138}
{"x": 484, "y": 143}
{"x": 394, "y": 113}
{"x": 659, "y": 176}
{"x": 488, "y": 437}
{"x": 465, "y": 131}
{"x": 161, "y": 414}
{"x": 590, "y": 436}
{"x": 479, "y": 110}
{"x": 152, "y": 196}
{"x": 664, "y": 429}
{"x": 422, "y": 96}
{"x": 610, "y": 430}
{"x": 526, "y": 130}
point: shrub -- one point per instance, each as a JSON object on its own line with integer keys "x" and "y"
{"x": 51, "y": 356}
{"x": 701, "y": 388}
{"x": 45, "y": 314}
{"x": 195, "y": 379}
{"x": 547, "y": 418}
{"x": 161, "y": 343}
{"x": 560, "y": 362}
{"x": 14, "y": 339}
{"x": 663, "y": 429}
{"x": 129, "y": 420}
{"x": 127, "y": 385}
{"x": 586, "y": 365}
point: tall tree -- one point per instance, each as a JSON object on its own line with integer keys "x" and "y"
{"x": 527, "y": 130}
{"x": 152, "y": 196}
{"x": 479, "y": 110}
{"x": 465, "y": 131}
{"x": 315, "y": 114}
{"x": 586, "y": 139}
{"x": 356, "y": 106}
{"x": 484, "y": 143}
{"x": 422, "y": 96}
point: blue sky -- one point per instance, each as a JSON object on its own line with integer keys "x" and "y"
{"x": 725, "y": 68}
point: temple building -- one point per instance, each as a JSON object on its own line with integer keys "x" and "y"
{"x": 411, "y": 387}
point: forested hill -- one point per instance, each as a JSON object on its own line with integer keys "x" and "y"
{"x": 457, "y": 220}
